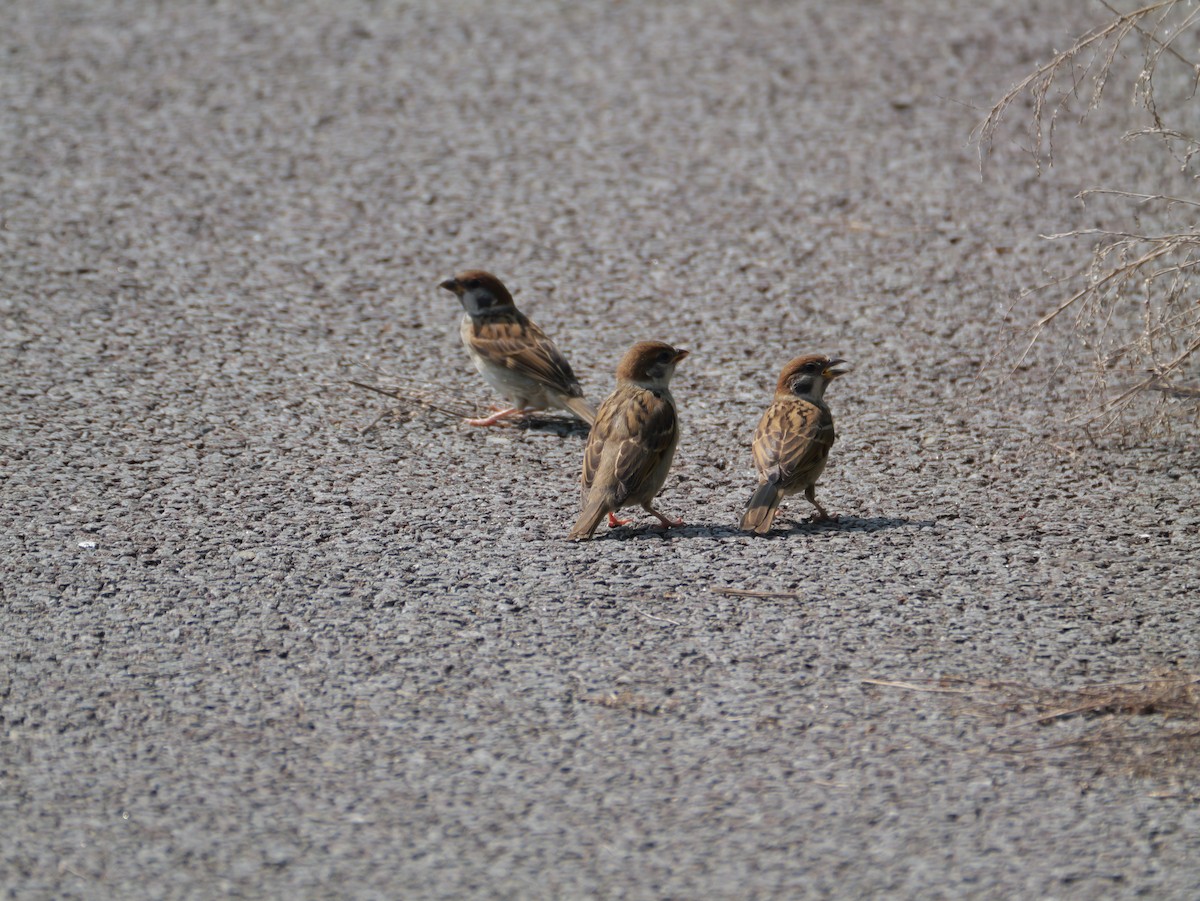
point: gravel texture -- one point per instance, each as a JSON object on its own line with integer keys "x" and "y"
{"x": 251, "y": 649}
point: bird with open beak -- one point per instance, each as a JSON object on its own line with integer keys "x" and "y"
{"x": 633, "y": 440}
{"x": 793, "y": 439}
{"x": 512, "y": 354}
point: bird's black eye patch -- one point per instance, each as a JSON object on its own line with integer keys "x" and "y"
{"x": 472, "y": 283}
{"x": 812, "y": 367}
{"x": 664, "y": 357}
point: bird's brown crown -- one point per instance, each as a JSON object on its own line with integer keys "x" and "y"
{"x": 473, "y": 279}
{"x": 644, "y": 359}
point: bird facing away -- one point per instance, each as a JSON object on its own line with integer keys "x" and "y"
{"x": 512, "y": 354}
{"x": 633, "y": 440}
{"x": 793, "y": 439}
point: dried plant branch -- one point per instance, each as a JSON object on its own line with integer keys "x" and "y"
{"x": 419, "y": 396}
{"x": 1136, "y": 307}
{"x": 413, "y": 396}
{"x": 1097, "y": 51}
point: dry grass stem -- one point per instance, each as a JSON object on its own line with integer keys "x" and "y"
{"x": 659, "y": 619}
{"x": 749, "y": 593}
{"x": 913, "y": 686}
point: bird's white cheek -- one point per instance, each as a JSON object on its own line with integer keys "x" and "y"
{"x": 476, "y": 303}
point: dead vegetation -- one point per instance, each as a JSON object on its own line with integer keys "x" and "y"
{"x": 1134, "y": 307}
{"x": 634, "y": 703}
{"x": 1148, "y": 726}
{"x": 414, "y": 398}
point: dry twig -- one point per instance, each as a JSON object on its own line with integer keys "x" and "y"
{"x": 661, "y": 619}
{"x": 1137, "y": 306}
{"x": 748, "y": 593}
{"x": 414, "y": 396}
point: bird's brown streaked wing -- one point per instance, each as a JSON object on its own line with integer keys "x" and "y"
{"x": 520, "y": 345}
{"x": 594, "y": 452}
{"x": 791, "y": 438}
{"x": 648, "y": 433}
{"x": 607, "y": 431}
{"x": 633, "y": 429}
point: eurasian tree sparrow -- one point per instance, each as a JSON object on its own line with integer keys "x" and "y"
{"x": 512, "y": 354}
{"x": 793, "y": 439}
{"x": 633, "y": 440}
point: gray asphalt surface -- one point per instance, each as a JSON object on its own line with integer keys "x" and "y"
{"x": 251, "y": 650}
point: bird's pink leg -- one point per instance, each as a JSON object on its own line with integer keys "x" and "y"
{"x": 498, "y": 416}
{"x": 613, "y": 522}
{"x": 666, "y": 521}
{"x": 822, "y": 515}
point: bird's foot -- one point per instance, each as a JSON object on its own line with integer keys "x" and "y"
{"x": 613, "y": 522}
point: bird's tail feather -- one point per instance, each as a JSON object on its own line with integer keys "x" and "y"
{"x": 760, "y": 512}
{"x": 581, "y": 408}
{"x": 588, "y": 520}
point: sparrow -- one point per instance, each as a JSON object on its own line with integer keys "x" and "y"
{"x": 632, "y": 442}
{"x": 793, "y": 439}
{"x": 512, "y": 354}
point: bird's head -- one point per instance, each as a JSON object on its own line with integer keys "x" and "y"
{"x": 479, "y": 292}
{"x": 807, "y": 376}
{"x": 650, "y": 364}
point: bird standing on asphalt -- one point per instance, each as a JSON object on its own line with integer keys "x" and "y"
{"x": 793, "y": 439}
{"x": 512, "y": 354}
{"x": 633, "y": 440}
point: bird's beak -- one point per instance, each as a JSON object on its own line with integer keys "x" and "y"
{"x": 679, "y": 355}
{"x": 450, "y": 284}
{"x": 836, "y": 368}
